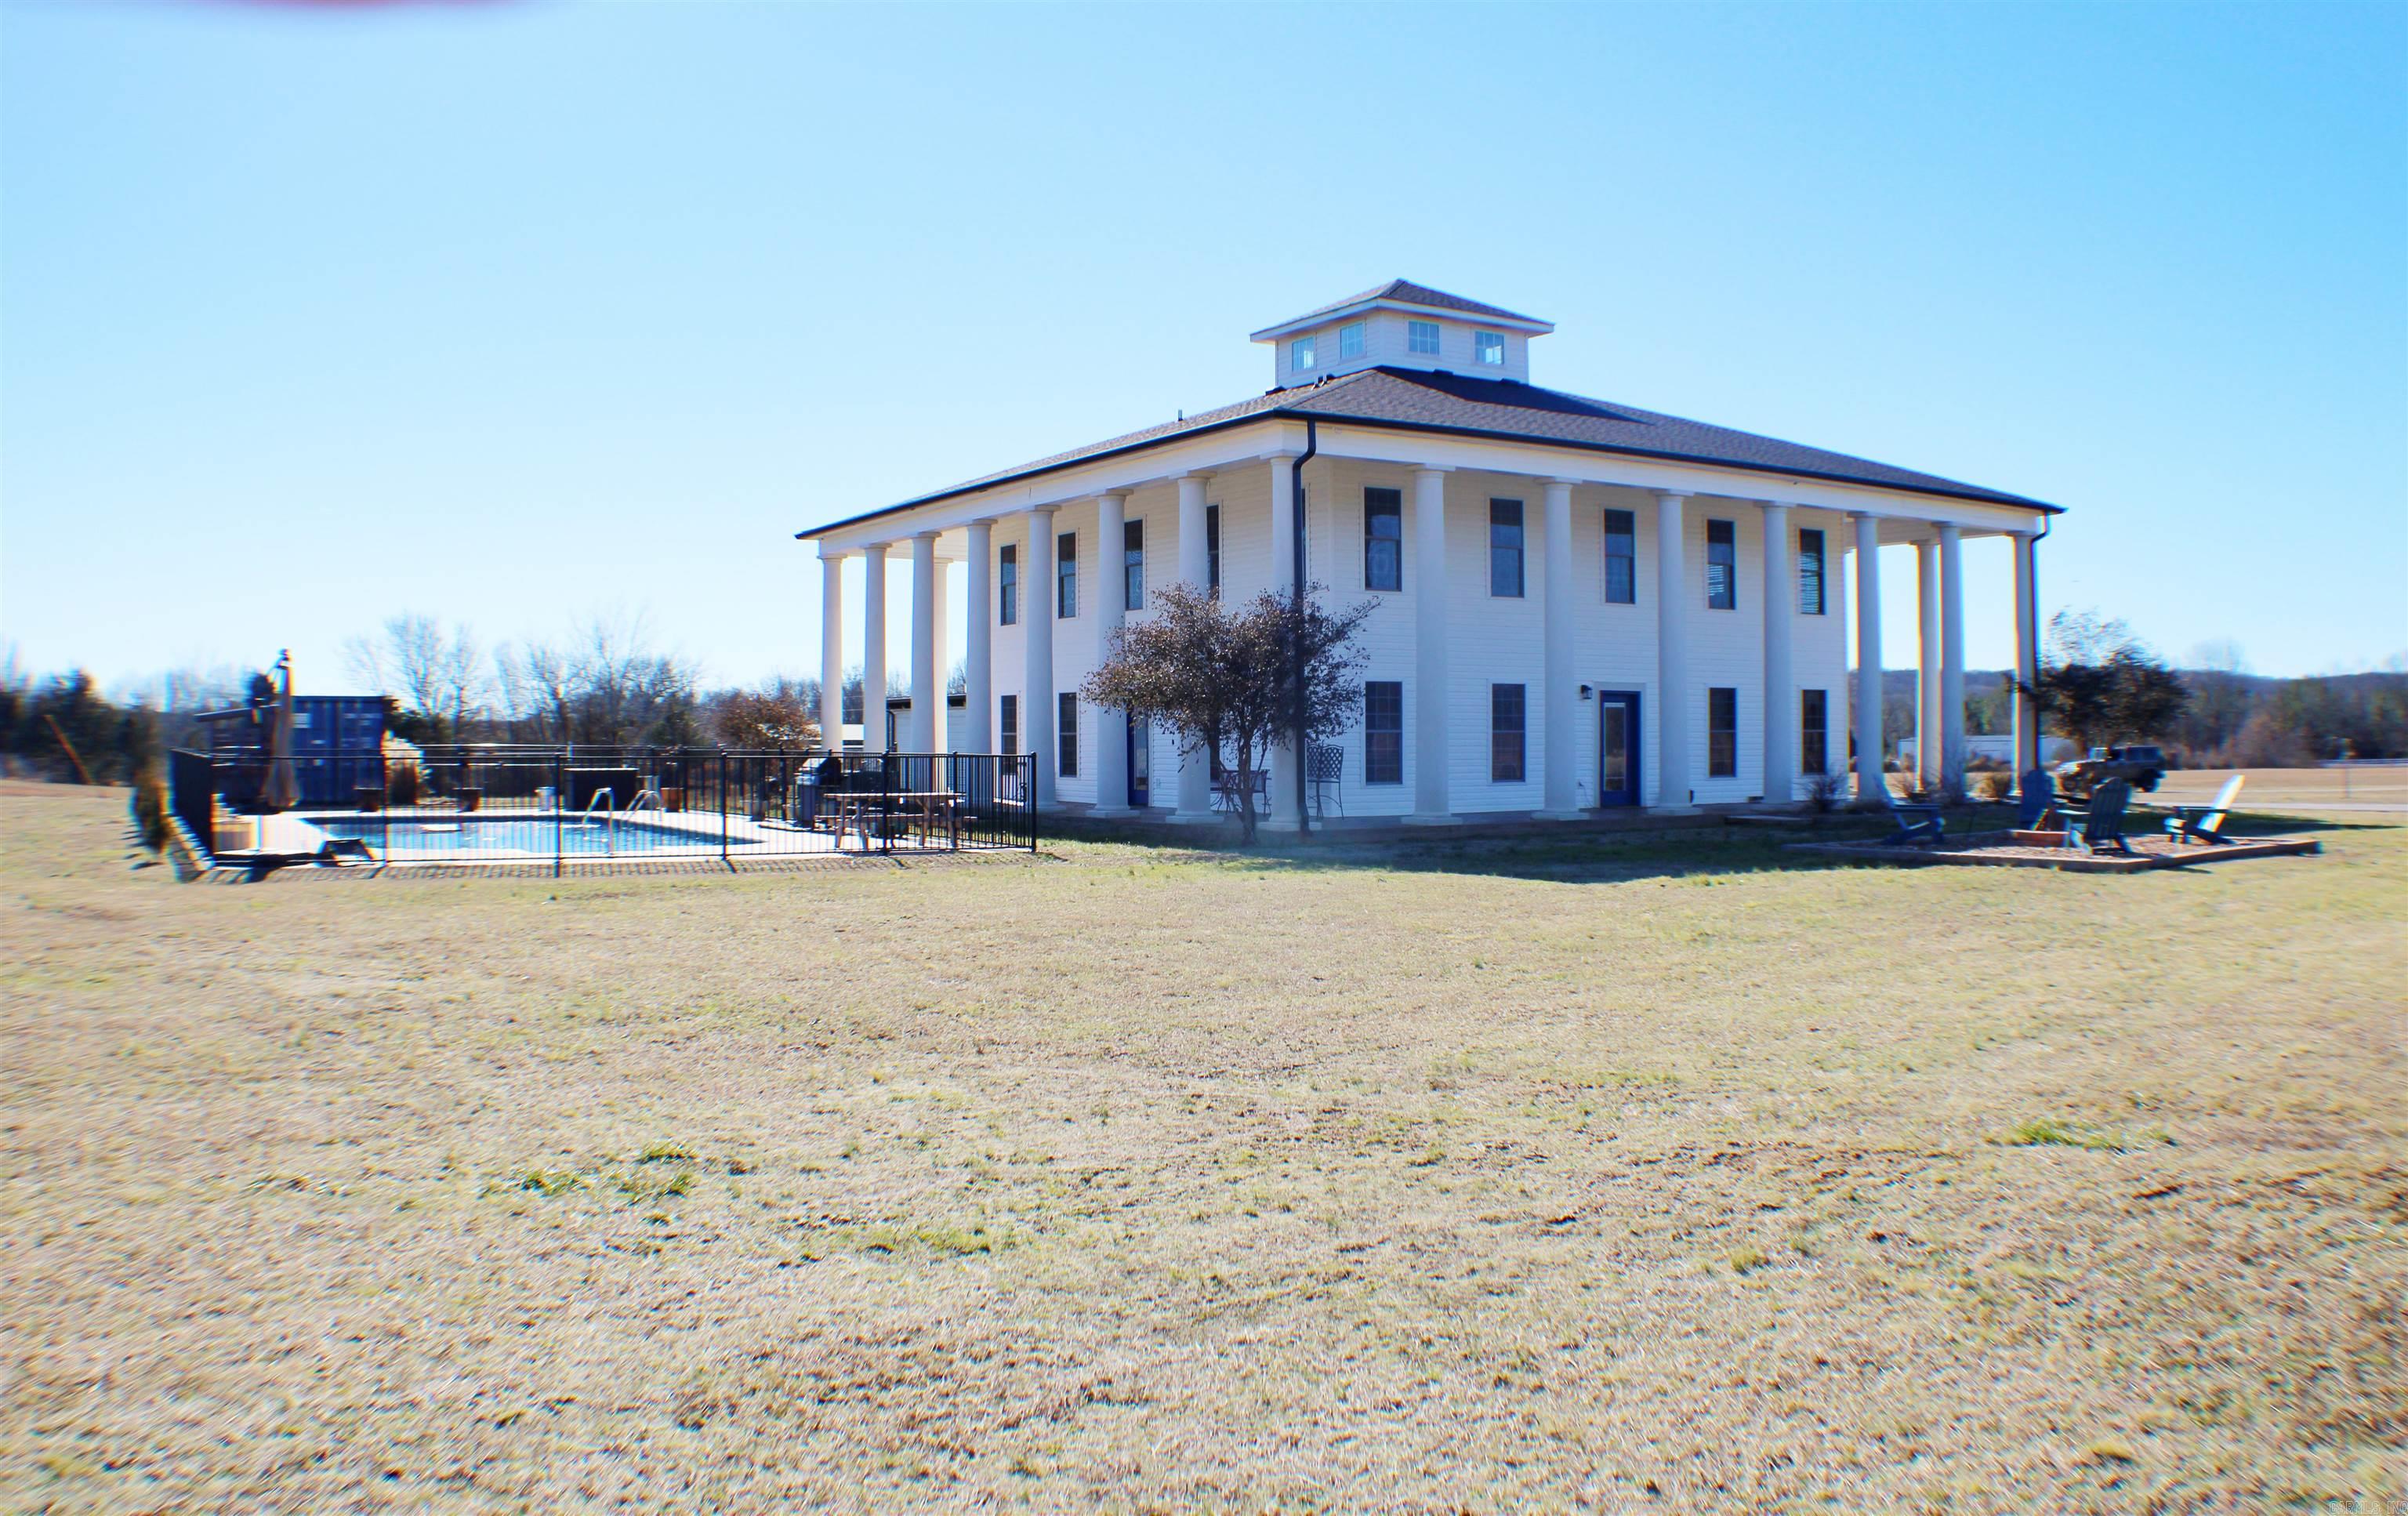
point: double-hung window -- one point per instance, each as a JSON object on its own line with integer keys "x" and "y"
{"x": 1810, "y": 578}
{"x": 1212, "y": 546}
{"x": 1722, "y": 733}
{"x": 1065, "y": 575}
{"x": 1621, "y": 558}
{"x": 1133, "y": 565}
{"x": 1383, "y": 539}
{"x": 1488, "y": 348}
{"x": 1350, "y": 340}
{"x": 1008, "y": 586}
{"x": 1505, "y": 722}
{"x": 1813, "y": 731}
{"x": 1384, "y": 732}
{"x": 1722, "y": 567}
{"x": 1066, "y": 737}
{"x": 1300, "y": 354}
{"x": 1422, "y": 336}
{"x": 1009, "y": 725}
{"x": 1505, "y": 547}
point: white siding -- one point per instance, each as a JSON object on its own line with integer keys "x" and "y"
{"x": 1491, "y": 640}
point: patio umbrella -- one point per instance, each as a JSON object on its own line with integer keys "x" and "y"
{"x": 282, "y": 790}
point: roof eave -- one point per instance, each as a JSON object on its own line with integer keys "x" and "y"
{"x": 1969, "y": 493}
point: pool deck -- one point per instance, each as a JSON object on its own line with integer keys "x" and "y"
{"x": 694, "y": 837}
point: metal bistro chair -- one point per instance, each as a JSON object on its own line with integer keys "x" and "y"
{"x": 1326, "y": 764}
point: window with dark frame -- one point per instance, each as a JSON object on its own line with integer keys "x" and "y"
{"x": 1505, "y": 547}
{"x": 1066, "y": 734}
{"x": 1810, "y": 576}
{"x": 1383, "y": 539}
{"x": 1010, "y": 724}
{"x": 1008, "y": 587}
{"x": 1212, "y": 546}
{"x": 1813, "y": 731}
{"x": 1722, "y": 565}
{"x": 1722, "y": 733}
{"x": 1133, "y": 563}
{"x": 1384, "y": 732}
{"x": 1506, "y": 709}
{"x": 1621, "y": 558}
{"x": 1065, "y": 575}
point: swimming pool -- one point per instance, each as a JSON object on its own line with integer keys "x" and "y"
{"x": 528, "y": 835}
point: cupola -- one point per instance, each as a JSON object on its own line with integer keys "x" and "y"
{"x": 1403, "y": 324}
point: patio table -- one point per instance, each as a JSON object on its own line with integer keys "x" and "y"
{"x": 925, "y": 809}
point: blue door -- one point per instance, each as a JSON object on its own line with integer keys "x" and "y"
{"x": 1140, "y": 763}
{"x": 1617, "y": 747}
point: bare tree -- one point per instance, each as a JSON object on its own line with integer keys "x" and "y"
{"x": 1222, "y": 680}
{"x": 436, "y": 674}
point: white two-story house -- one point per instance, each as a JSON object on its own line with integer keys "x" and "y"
{"x": 1577, "y": 603}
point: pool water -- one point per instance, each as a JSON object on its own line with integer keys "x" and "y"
{"x": 528, "y": 836}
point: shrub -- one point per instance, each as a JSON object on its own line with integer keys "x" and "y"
{"x": 1823, "y": 792}
{"x": 1995, "y": 784}
{"x": 401, "y": 784}
{"x": 149, "y": 807}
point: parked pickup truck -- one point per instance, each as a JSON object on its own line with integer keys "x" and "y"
{"x": 2143, "y": 767}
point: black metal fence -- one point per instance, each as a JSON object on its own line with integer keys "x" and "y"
{"x": 492, "y": 804}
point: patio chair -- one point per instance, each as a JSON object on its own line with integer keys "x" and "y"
{"x": 2035, "y": 797}
{"x": 2100, "y": 824}
{"x": 1326, "y": 767}
{"x": 2205, "y": 823}
{"x": 1916, "y": 822}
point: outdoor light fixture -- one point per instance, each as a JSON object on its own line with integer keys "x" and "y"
{"x": 1585, "y": 691}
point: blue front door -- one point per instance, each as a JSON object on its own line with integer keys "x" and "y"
{"x": 1140, "y": 763}
{"x": 1617, "y": 747}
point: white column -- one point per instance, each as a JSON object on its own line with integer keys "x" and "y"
{"x": 1674, "y": 698}
{"x": 1039, "y": 719}
{"x": 1869, "y": 661}
{"x": 1952, "y": 656}
{"x": 978, "y": 643}
{"x": 873, "y": 649}
{"x": 1429, "y": 695}
{"x": 940, "y": 717}
{"x": 2026, "y": 657}
{"x": 924, "y": 693}
{"x": 1559, "y": 581}
{"x": 1780, "y": 691}
{"x": 1927, "y": 664}
{"x": 1196, "y": 568}
{"x": 1284, "y": 814}
{"x": 831, "y": 649}
{"x": 1112, "y": 608}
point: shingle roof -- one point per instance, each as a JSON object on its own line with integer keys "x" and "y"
{"x": 1454, "y": 402}
{"x": 1415, "y": 295}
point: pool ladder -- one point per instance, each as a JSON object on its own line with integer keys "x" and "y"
{"x": 610, "y": 819}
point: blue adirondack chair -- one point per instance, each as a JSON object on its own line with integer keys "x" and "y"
{"x": 2100, "y": 824}
{"x": 2205, "y": 823}
{"x": 2035, "y": 797}
{"x": 1916, "y": 822}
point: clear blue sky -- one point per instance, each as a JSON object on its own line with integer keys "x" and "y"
{"x": 511, "y": 313}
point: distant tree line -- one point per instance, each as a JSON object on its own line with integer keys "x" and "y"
{"x": 2100, "y": 685}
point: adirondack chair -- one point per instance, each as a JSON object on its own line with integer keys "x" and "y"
{"x": 2035, "y": 797}
{"x": 2205, "y": 823}
{"x": 1917, "y": 822}
{"x": 2100, "y": 824}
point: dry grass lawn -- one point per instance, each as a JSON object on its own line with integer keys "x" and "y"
{"x": 1521, "y": 1178}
